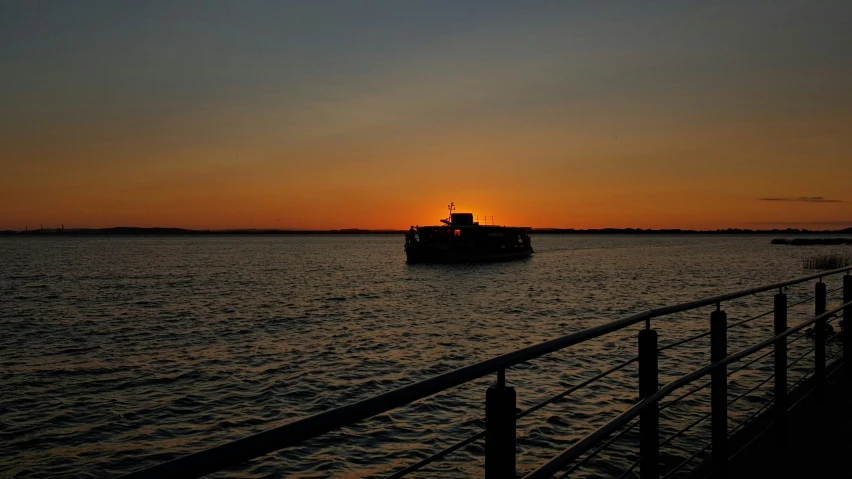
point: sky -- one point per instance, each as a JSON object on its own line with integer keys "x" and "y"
{"x": 376, "y": 114}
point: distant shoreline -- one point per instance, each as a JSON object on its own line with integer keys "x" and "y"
{"x": 137, "y": 231}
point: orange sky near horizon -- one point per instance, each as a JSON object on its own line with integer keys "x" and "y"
{"x": 545, "y": 116}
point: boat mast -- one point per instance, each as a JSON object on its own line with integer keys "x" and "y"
{"x": 451, "y": 207}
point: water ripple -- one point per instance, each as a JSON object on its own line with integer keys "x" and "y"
{"x": 119, "y": 353}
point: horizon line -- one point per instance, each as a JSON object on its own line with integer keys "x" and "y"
{"x": 166, "y": 229}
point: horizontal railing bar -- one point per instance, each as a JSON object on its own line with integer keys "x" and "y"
{"x": 733, "y": 325}
{"x": 811, "y": 389}
{"x": 803, "y": 301}
{"x": 630, "y": 469}
{"x": 575, "y": 388}
{"x": 751, "y": 416}
{"x": 828, "y": 320}
{"x": 703, "y": 418}
{"x": 437, "y": 455}
{"x": 683, "y": 396}
{"x": 707, "y": 333}
{"x": 554, "y": 465}
{"x": 804, "y": 396}
{"x": 744, "y": 321}
{"x": 762, "y": 356}
{"x": 465, "y": 442}
{"x": 232, "y": 453}
{"x": 767, "y": 404}
{"x": 684, "y": 429}
{"x": 752, "y": 389}
{"x": 599, "y": 449}
{"x": 688, "y": 460}
{"x": 751, "y": 441}
{"x": 836, "y": 353}
{"x": 680, "y": 448}
{"x": 808, "y": 352}
{"x": 699, "y": 388}
{"x": 801, "y": 379}
{"x": 672, "y": 403}
{"x": 803, "y": 356}
{"x": 803, "y": 335}
{"x": 762, "y": 408}
{"x": 682, "y": 341}
{"x": 835, "y": 367}
{"x": 241, "y": 450}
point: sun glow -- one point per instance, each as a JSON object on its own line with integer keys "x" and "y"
{"x": 566, "y": 117}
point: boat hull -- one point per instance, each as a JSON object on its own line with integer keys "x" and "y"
{"x": 420, "y": 254}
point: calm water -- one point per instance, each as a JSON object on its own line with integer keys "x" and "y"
{"x": 119, "y": 353}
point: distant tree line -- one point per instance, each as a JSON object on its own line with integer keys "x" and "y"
{"x": 124, "y": 230}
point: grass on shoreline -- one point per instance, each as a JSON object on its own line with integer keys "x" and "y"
{"x": 812, "y": 241}
{"x": 827, "y": 261}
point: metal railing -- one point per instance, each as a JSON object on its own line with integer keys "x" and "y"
{"x": 484, "y": 220}
{"x": 720, "y": 402}
{"x": 501, "y": 414}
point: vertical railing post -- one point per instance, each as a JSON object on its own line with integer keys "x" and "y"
{"x": 500, "y": 430}
{"x": 780, "y": 370}
{"x": 847, "y": 326}
{"x": 649, "y": 419}
{"x": 820, "y": 327}
{"x": 719, "y": 393}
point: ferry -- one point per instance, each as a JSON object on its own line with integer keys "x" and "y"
{"x": 462, "y": 240}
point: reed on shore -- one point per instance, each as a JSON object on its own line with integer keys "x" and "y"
{"x": 812, "y": 241}
{"x": 827, "y": 261}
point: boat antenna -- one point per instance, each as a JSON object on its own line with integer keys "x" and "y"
{"x": 451, "y": 207}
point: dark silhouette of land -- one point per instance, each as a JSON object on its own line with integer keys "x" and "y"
{"x": 728, "y": 231}
{"x": 134, "y": 231}
{"x": 139, "y": 231}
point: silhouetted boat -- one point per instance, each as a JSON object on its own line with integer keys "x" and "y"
{"x": 463, "y": 240}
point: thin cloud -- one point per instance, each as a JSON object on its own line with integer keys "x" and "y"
{"x": 804, "y": 199}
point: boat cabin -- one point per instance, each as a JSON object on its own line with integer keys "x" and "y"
{"x": 460, "y": 219}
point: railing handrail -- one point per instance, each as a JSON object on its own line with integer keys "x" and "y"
{"x": 238, "y": 451}
{"x": 580, "y": 447}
